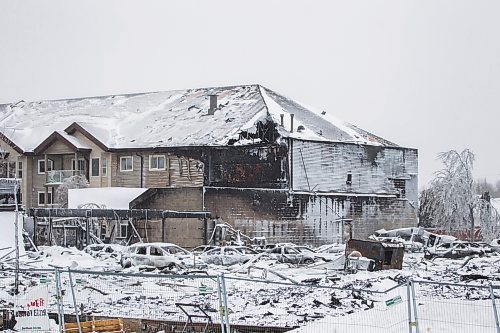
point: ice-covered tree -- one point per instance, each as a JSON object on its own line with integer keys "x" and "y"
{"x": 489, "y": 218}
{"x": 453, "y": 192}
{"x": 76, "y": 181}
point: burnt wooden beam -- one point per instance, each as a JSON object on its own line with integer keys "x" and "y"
{"x": 116, "y": 213}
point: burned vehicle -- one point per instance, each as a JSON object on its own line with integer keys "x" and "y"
{"x": 105, "y": 250}
{"x": 228, "y": 255}
{"x": 495, "y": 245}
{"x": 456, "y": 250}
{"x": 413, "y": 239}
{"x": 159, "y": 255}
{"x": 202, "y": 248}
{"x": 291, "y": 255}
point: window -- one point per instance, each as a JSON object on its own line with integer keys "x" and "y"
{"x": 157, "y": 162}
{"x": 400, "y": 185}
{"x": 41, "y": 166}
{"x": 20, "y": 169}
{"x": 8, "y": 170}
{"x": 41, "y": 198}
{"x": 349, "y": 178}
{"x": 124, "y": 230}
{"x": 95, "y": 167}
{"x": 104, "y": 167}
{"x": 81, "y": 164}
{"x": 154, "y": 251}
{"x": 126, "y": 163}
{"x": 141, "y": 250}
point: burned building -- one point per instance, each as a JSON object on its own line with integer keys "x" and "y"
{"x": 260, "y": 161}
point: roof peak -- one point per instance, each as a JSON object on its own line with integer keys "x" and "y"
{"x": 132, "y": 94}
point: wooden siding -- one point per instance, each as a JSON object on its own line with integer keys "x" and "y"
{"x": 58, "y": 147}
{"x": 179, "y": 172}
{"x": 96, "y": 152}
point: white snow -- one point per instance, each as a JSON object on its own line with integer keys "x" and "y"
{"x": 449, "y": 316}
{"x": 104, "y": 197}
{"x": 172, "y": 118}
{"x": 7, "y": 234}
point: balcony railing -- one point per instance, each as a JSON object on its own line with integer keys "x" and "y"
{"x": 58, "y": 176}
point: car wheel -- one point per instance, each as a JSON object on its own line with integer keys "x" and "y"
{"x": 308, "y": 261}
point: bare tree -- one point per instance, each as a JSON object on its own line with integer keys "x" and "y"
{"x": 76, "y": 181}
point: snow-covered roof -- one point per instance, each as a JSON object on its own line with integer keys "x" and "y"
{"x": 105, "y": 197}
{"x": 174, "y": 119}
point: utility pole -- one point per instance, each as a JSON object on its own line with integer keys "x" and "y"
{"x": 16, "y": 224}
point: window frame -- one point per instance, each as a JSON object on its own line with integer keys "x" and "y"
{"x": 104, "y": 167}
{"x": 19, "y": 169}
{"x": 50, "y": 163}
{"x": 151, "y": 157}
{"x": 49, "y": 195}
{"x": 131, "y": 164}
{"x": 75, "y": 165}
{"x": 121, "y": 227}
{"x": 92, "y": 169}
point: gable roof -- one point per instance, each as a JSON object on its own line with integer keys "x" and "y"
{"x": 73, "y": 143}
{"x": 174, "y": 119}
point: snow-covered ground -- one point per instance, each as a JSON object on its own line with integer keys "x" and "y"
{"x": 327, "y": 299}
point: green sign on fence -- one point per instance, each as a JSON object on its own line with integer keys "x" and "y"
{"x": 205, "y": 290}
{"x": 44, "y": 280}
{"x": 80, "y": 281}
{"x": 393, "y": 301}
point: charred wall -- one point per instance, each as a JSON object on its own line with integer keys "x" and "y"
{"x": 306, "y": 219}
{"x": 249, "y": 166}
{"x": 274, "y": 214}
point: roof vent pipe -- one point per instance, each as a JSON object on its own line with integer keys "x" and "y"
{"x": 213, "y": 104}
{"x": 282, "y": 120}
{"x": 291, "y": 122}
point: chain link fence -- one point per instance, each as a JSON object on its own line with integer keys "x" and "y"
{"x": 202, "y": 303}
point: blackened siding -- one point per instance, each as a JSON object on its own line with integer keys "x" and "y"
{"x": 306, "y": 219}
{"x": 257, "y": 166}
{"x": 325, "y": 167}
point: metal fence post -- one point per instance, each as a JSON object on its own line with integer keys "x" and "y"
{"x": 492, "y": 294}
{"x": 221, "y": 307}
{"x": 74, "y": 301}
{"x": 408, "y": 301}
{"x": 60, "y": 307}
{"x": 415, "y": 316}
{"x": 226, "y": 312}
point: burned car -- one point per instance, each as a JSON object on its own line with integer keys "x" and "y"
{"x": 291, "y": 255}
{"x": 105, "y": 250}
{"x": 228, "y": 255}
{"x": 455, "y": 250}
{"x": 159, "y": 255}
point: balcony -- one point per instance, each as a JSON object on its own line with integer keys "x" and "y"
{"x": 55, "y": 177}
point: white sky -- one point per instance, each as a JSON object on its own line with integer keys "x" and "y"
{"x": 424, "y": 74}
